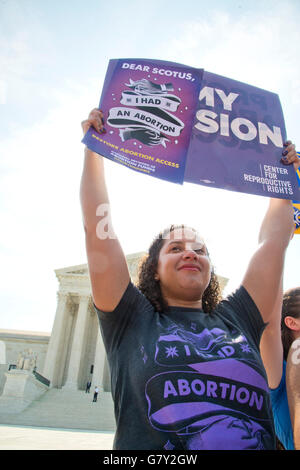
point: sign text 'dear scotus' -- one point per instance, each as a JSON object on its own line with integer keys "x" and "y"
{"x": 149, "y": 108}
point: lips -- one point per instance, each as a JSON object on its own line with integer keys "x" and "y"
{"x": 189, "y": 267}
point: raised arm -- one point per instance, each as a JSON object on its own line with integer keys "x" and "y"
{"x": 271, "y": 348}
{"x": 106, "y": 261}
{"x": 293, "y": 389}
{"x": 263, "y": 276}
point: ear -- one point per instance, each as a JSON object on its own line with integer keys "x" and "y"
{"x": 292, "y": 323}
{"x": 156, "y": 277}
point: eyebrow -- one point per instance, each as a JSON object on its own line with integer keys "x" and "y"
{"x": 181, "y": 242}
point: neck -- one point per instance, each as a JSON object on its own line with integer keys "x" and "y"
{"x": 296, "y": 335}
{"x": 173, "y": 302}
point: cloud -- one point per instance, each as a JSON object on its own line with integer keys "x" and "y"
{"x": 3, "y": 92}
{"x": 259, "y": 48}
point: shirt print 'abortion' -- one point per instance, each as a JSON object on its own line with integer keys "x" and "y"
{"x": 219, "y": 393}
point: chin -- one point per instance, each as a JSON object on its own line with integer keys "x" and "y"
{"x": 194, "y": 282}
{"x": 192, "y": 291}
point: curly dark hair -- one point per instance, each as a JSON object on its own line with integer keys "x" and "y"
{"x": 151, "y": 288}
{"x": 290, "y": 307}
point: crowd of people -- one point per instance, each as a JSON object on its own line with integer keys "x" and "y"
{"x": 190, "y": 370}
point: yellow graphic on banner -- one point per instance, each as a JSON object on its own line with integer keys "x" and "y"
{"x": 296, "y": 205}
{"x": 297, "y": 217}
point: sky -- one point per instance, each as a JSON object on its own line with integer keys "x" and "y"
{"x": 53, "y": 60}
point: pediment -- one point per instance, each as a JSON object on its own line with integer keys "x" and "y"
{"x": 81, "y": 270}
{"x": 71, "y": 271}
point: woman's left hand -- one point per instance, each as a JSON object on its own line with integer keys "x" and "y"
{"x": 289, "y": 155}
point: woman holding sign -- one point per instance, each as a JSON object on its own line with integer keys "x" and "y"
{"x": 186, "y": 371}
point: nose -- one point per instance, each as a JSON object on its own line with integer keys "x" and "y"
{"x": 189, "y": 254}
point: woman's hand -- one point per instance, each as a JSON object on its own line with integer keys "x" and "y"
{"x": 95, "y": 120}
{"x": 289, "y": 155}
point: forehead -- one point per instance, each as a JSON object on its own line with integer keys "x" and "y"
{"x": 183, "y": 235}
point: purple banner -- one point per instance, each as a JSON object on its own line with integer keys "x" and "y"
{"x": 179, "y": 123}
{"x": 237, "y": 140}
{"x": 149, "y": 109}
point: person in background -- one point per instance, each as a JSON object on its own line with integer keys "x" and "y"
{"x": 271, "y": 348}
{"x": 96, "y": 394}
{"x": 291, "y": 344}
{"x": 88, "y": 386}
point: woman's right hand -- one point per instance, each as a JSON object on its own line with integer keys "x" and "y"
{"x": 95, "y": 120}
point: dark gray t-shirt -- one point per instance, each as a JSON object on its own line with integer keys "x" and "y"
{"x": 185, "y": 379}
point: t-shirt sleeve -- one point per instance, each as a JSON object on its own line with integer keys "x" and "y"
{"x": 114, "y": 324}
{"x": 241, "y": 308}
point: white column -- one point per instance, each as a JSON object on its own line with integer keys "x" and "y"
{"x": 65, "y": 348}
{"x": 52, "y": 361}
{"x": 78, "y": 342}
{"x": 106, "y": 377}
{"x": 98, "y": 362}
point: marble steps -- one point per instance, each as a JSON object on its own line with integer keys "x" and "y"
{"x": 68, "y": 409}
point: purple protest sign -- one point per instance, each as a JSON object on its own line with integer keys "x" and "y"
{"x": 237, "y": 140}
{"x": 149, "y": 108}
